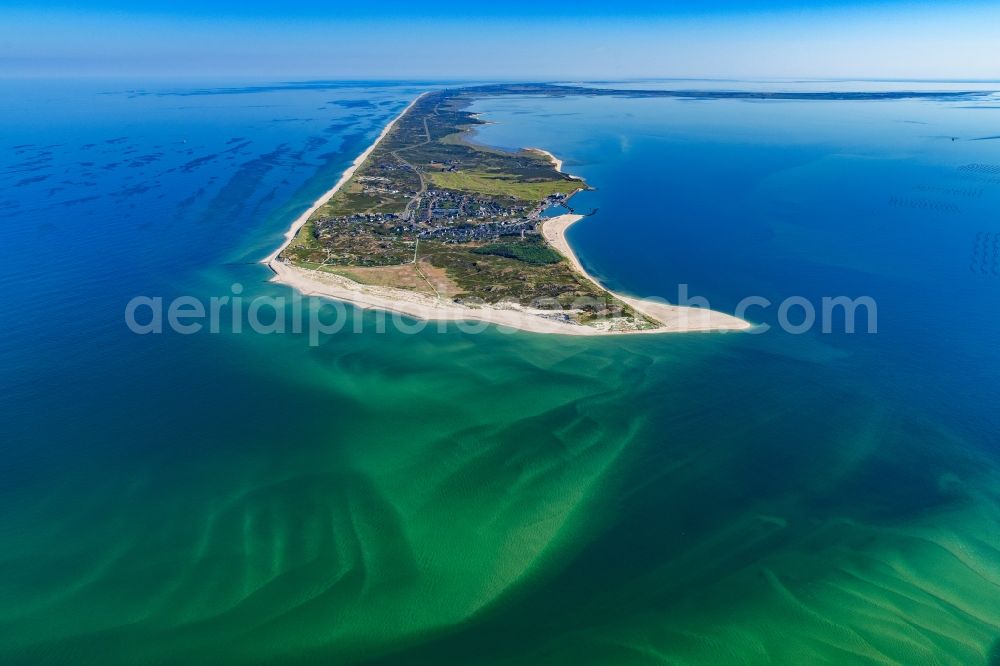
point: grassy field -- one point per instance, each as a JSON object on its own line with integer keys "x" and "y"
{"x": 528, "y": 252}
{"x": 503, "y": 184}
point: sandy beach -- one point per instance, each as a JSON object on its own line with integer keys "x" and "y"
{"x": 326, "y": 196}
{"x": 419, "y": 306}
{"x": 673, "y": 319}
{"x": 558, "y": 163}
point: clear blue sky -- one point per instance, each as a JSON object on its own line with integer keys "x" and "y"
{"x": 583, "y": 39}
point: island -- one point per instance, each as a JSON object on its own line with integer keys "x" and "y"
{"x": 432, "y": 225}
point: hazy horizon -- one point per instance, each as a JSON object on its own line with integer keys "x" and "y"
{"x": 762, "y": 39}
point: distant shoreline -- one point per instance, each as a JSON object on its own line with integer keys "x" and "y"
{"x": 673, "y": 319}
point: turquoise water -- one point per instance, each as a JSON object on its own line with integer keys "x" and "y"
{"x": 502, "y": 498}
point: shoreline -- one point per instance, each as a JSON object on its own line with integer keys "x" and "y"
{"x": 558, "y": 163}
{"x": 346, "y": 176}
{"x": 672, "y": 319}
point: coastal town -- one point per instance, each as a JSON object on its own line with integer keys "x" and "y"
{"x": 437, "y": 188}
{"x": 426, "y": 201}
{"x": 431, "y": 223}
{"x": 446, "y": 216}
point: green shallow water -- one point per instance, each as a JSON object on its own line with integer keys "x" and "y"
{"x": 502, "y": 499}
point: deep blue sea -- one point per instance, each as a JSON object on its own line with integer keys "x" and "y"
{"x": 895, "y": 200}
{"x": 503, "y": 498}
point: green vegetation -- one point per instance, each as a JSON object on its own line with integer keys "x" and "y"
{"x": 427, "y": 197}
{"x": 531, "y": 253}
{"x": 490, "y": 278}
{"x": 503, "y": 184}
